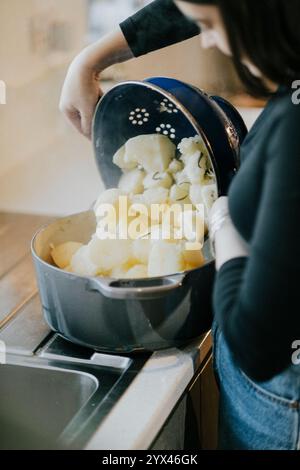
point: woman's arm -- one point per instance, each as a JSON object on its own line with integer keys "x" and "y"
{"x": 158, "y": 25}
{"x": 256, "y": 299}
{"x": 81, "y": 90}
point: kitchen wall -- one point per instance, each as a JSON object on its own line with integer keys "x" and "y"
{"x": 207, "y": 69}
{"x": 37, "y": 40}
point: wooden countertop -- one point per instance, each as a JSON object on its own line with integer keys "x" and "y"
{"x": 18, "y": 289}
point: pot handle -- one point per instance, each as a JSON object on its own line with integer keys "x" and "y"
{"x": 137, "y": 289}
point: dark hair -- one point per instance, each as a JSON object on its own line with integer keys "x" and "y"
{"x": 268, "y": 33}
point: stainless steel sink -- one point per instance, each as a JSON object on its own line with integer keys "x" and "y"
{"x": 58, "y": 401}
{"x": 38, "y": 403}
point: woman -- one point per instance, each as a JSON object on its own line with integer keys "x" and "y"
{"x": 255, "y": 230}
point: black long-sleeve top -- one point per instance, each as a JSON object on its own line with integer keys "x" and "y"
{"x": 256, "y": 299}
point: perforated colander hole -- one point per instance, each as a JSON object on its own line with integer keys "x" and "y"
{"x": 139, "y": 116}
{"x": 166, "y": 129}
{"x": 167, "y": 107}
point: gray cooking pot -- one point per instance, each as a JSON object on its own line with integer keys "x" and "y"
{"x": 115, "y": 315}
{"x": 119, "y": 315}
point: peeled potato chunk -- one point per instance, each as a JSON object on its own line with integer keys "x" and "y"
{"x": 193, "y": 170}
{"x": 156, "y": 201}
{"x": 196, "y": 194}
{"x": 153, "y": 152}
{"x": 118, "y": 272}
{"x": 132, "y": 181}
{"x": 175, "y": 166}
{"x": 119, "y": 160}
{"x": 192, "y": 226}
{"x": 154, "y": 180}
{"x": 164, "y": 232}
{"x": 156, "y": 196}
{"x": 82, "y": 264}
{"x": 62, "y": 254}
{"x": 193, "y": 258}
{"x": 108, "y": 254}
{"x": 180, "y": 193}
{"x": 138, "y": 271}
{"x": 181, "y": 177}
{"x": 209, "y": 195}
{"x": 190, "y": 145}
{"x": 165, "y": 258}
{"x": 110, "y": 196}
{"x": 141, "y": 249}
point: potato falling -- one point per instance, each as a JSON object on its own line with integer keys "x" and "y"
{"x": 62, "y": 254}
{"x": 157, "y": 218}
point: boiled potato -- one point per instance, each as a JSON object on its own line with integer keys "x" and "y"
{"x": 196, "y": 194}
{"x": 69, "y": 269}
{"x": 141, "y": 249}
{"x": 190, "y": 145}
{"x": 108, "y": 254}
{"x": 118, "y": 273}
{"x": 138, "y": 271}
{"x": 153, "y": 152}
{"x": 181, "y": 177}
{"x": 172, "y": 215}
{"x": 137, "y": 199}
{"x": 155, "y": 196}
{"x": 110, "y": 218}
{"x": 63, "y": 253}
{"x": 82, "y": 264}
{"x": 151, "y": 231}
{"x": 154, "y": 180}
{"x": 158, "y": 213}
{"x": 193, "y": 258}
{"x": 193, "y": 170}
{"x": 119, "y": 160}
{"x": 209, "y": 195}
{"x": 110, "y": 196}
{"x": 192, "y": 226}
{"x": 175, "y": 166}
{"x": 165, "y": 258}
{"x": 138, "y": 227}
{"x": 180, "y": 193}
{"x": 164, "y": 232}
{"x": 132, "y": 181}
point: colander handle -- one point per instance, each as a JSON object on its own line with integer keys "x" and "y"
{"x": 135, "y": 289}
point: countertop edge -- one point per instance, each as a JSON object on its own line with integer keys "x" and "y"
{"x": 161, "y": 383}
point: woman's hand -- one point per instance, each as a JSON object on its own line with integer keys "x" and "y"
{"x": 81, "y": 90}
{"x": 80, "y": 94}
{"x": 227, "y": 241}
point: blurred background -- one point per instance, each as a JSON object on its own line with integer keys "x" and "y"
{"x": 46, "y": 167}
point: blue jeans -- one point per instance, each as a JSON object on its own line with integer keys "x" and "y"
{"x": 264, "y": 416}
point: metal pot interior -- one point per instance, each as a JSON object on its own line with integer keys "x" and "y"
{"x": 78, "y": 228}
